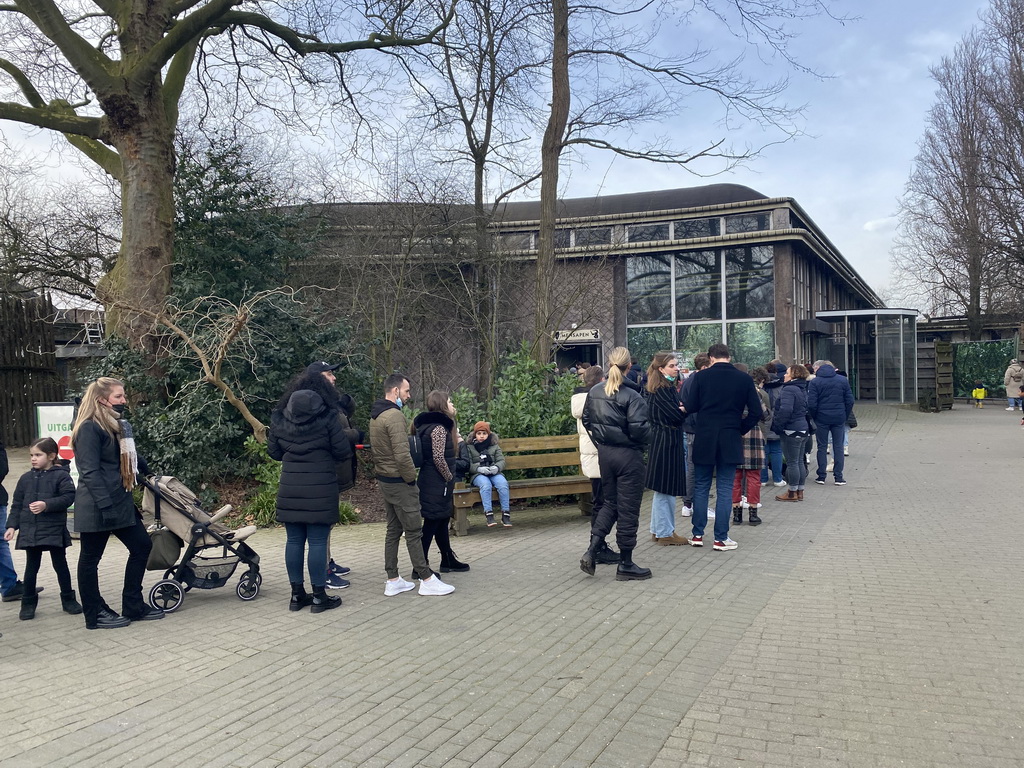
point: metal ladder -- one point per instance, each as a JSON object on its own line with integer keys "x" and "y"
{"x": 94, "y": 332}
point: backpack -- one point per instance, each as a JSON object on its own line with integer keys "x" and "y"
{"x": 416, "y": 450}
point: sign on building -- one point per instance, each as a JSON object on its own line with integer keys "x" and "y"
{"x": 56, "y": 420}
{"x": 577, "y": 335}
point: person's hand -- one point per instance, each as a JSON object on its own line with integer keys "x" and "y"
{"x": 9, "y": 534}
{"x": 36, "y": 507}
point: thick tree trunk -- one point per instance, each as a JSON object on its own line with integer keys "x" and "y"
{"x": 551, "y": 150}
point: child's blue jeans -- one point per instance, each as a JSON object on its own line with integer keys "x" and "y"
{"x": 485, "y": 483}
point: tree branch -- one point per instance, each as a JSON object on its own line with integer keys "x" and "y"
{"x": 54, "y": 119}
{"x": 185, "y": 32}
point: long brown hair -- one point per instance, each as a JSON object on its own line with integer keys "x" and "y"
{"x": 618, "y": 364}
{"x": 92, "y": 409}
{"x": 437, "y": 401}
{"x": 655, "y": 378}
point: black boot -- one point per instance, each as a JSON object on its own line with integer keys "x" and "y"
{"x": 322, "y": 601}
{"x": 630, "y": 571}
{"x": 737, "y": 514}
{"x": 606, "y": 555}
{"x": 753, "y": 518}
{"x": 300, "y": 598}
{"x": 69, "y": 602}
{"x": 450, "y": 563}
{"x": 587, "y": 561}
{"x": 28, "y": 608}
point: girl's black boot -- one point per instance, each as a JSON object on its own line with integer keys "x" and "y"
{"x": 28, "y": 608}
{"x": 69, "y": 602}
{"x": 590, "y": 556}
{"x": 300, "y": 598}
{"x": 322, "y": 601}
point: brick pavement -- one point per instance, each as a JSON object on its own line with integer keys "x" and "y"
{"x": 876, "y": 624}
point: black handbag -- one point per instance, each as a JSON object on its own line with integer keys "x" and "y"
{"x": 851, "y": 420}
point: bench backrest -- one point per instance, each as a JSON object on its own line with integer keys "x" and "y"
{"x": 538, "y": 452}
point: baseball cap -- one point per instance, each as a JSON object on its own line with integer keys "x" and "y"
{"x": 320, "y": 367}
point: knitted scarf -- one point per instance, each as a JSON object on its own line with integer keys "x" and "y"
{"x": 129, "y": 458}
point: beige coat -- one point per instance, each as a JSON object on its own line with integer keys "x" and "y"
{"x": 1013, "y": 379}
{"x": 588, "y": 451}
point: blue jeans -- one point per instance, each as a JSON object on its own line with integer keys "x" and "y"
{"x": 663, "y": 515}
{"x": 773, "y": 457}
{"x": 793, "y": 448}
{"x": 485, "y": 483}
{"x": 835, "y": 432}
{"x": 726, "y": 474}
{"x": 298, "y": 535}
{"x": 8, "y": 576}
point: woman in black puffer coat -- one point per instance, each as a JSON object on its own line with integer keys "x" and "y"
{"x": 615, "y": 416}
{"x": 439, "y": 438}
{"x": 307, "y": 437}
{"x": 791, "y": 424}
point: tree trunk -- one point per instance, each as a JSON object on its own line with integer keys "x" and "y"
{"x": 551, "y": 150}
{"x": 488, "y": 299}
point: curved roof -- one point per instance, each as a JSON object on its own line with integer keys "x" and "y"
{"x": 634, "y": 202}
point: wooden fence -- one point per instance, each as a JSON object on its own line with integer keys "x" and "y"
{"x": 28, "y": 365}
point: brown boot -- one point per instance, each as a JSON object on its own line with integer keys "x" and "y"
{"x": 800, "y": 495}
{"x": 672, "y": 541}
{"x": 789, "y": 496}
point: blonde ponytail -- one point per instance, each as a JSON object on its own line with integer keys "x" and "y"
{"x": 618, "y": 364}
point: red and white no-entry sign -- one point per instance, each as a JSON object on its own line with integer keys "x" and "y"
{"x": 64, "y": 449}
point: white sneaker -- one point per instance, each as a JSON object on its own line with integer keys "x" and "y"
{"x": 781, "y": 484}
{"x": 434, "y": 586}
{"x": 687, "y": 511}
{"x": 397, "y": 586}
{"x": 846, "y": 451}
{"x": 1010, "y": 409}
{"x": 724, "y": 546}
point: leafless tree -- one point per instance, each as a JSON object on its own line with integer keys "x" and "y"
{"x": 109, "y": 75}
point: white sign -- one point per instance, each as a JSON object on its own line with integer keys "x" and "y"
{"x": 580, "y": 334}
{"x": 56, "y": 420}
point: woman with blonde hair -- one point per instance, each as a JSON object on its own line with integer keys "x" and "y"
{"x": 108, "y": 466}
{"x": 615, "y": 416}
{"x": 666, "y": 458}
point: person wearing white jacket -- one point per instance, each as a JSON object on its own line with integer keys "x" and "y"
{"x": 593, "y": 376}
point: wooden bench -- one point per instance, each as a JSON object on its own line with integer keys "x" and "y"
{"x": 530, "y": 453}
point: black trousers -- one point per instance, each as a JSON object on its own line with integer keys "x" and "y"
{"x": 437, "y": 530}
{"x": 622, "y": 481}
{"x": 59, "y": 560}
{"x": 597, "y": 498}
{"x": 138, "y": 544}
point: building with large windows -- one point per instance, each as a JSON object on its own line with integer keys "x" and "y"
{"x": 685, "y": 268}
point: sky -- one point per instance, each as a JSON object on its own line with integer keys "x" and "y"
{"x": 862, "y": 125}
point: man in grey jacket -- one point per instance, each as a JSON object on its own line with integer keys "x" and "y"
{"x": 396, "y": 478}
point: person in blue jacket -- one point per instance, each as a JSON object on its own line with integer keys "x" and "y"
{"x": 829, "y": 404}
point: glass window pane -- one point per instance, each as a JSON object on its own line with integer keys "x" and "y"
{"x": 747, "y": 222}
{"x": 515, "y": 241}
{"x": 593, "y": 236}
{"x": 691, "y": 340}
{"x": 686, "y": 228}
{"x": 751, "y": 343}
{"x": 644, "y": 342}
{"x": 910, "y": 358}
{"x": 648, "y": 288}
{"x": 646, "y": 233}
{"x": 887, "y": 339}
{"x": 749, "y": 282}
{"x": 563, "y": 238}
{"x": 698, "y": 286}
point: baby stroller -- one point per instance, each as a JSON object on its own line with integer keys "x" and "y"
{"x": 212, "y": 550}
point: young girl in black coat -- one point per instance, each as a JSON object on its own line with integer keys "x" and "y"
{"x": 40, "y": 516}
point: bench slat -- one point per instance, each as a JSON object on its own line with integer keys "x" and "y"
{"x": 538, "y": 460}
{"x": 552, "y": 443}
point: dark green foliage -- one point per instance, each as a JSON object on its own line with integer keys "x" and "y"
{"x": 231, "y": 245}
{"x": 985, "y": 360}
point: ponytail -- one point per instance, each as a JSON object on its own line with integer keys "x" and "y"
{"x": 618, "y": 364}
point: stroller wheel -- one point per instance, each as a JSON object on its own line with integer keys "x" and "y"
{"x": 167, "y": 595}
{"x": 248, "y": 587}
{"x": 170, "y": 573}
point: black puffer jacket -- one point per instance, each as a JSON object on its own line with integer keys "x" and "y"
{"x": 437, "y": 476}
{"x": 50, "y": 527}
{"x": 617, "y": 420}
{"x": 102, "y": 503}
{"x": 308, "y": 439}
{"x": 791, "y": 408}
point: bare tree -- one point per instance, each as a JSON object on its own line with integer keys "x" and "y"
{"x": 109, "y": 76}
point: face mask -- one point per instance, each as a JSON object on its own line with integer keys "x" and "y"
{"x": 398, "y": 402}
{"x": 118, "y": 409}
{"x": 670, "y": 379}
